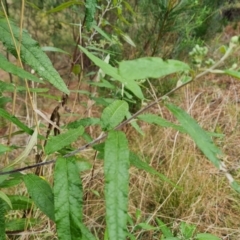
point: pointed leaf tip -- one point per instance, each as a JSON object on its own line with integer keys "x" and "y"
{"x": 30, "y": 53}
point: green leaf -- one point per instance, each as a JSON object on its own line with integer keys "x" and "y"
{"x": 90, "y": 6}
{"x": 154, "y": 119}
{"x": 127, "y": 38}
{"x": 107, "y": 68}
{"x": 116, "y": 166}
{"x": 83, "y": 165}
{"x": 102, "y": 101}
{"x": 104, "y": 34}
{"x": 63, "y": 6}
{"x": 233, "y": 73}
{"x": 13, "y": 69}
{"x": 165, "y": 230}
{"x": 6, "y": 182}
{"x": 21, "y": 224}
{"x": 85, "y": 122}
{"x": 113, "y": 72}
{"x": 150, "y": 67}
{"x": 3, "y": 178}
{"x": 235, "y": 186}
{"x": 103, "y": 84}
{"x": 114, "y": 114}
{"x": 20, "y": 202}
{"x": 15, "y": 120}
{"x": 2, "y": 219}
{"x": 129, "y": 8}
{"x": 172, "y": 238}
{"x": 86, "y": 234}
{"x": 206, "y": 236}
{"x": 33, "y": 5}
{"x": 199, "y": 136}
{"x": 68, "y": 199}
{"x": 31, "y": 143}
{"x": 134, "y": 124}
{"x": 53, "y": 49}
{"x": 31, "y": 54}
{"x": 4, "y": 101}
{"x": 147, "y": 226}
{"x": 5, "y": 86}
{"x": 187, "y": 230}
{"x": 41, "y": 194}
{"x": 58, "y": 142}
{"x": 100, "y": 148}
{"x": 4, "y": 149}
{"x": 6, "y": 199}
{"x": 136, "y": 162}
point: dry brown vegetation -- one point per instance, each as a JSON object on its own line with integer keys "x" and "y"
{"x": 202, "y": 195}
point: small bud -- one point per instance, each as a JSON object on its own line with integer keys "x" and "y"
{"x": 234, "y": 66}
{"x": 32, "y": 71}
{"x": 210, "y": 62}
{"x": 235, "y": 40}
{"x": 205, "y": 50}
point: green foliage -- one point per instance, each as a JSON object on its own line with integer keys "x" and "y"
{"x": 67, "y": 199}
{"x": 13, "y": 69}
{"x": 90, "y": 12}
{"x": 170, "y": 20}
{"x": 185, "y": 232}
{"x": 30, "y": 54}
{"x": 206, "y": 236}
{"x": 6, "y": 199}
{"x": 4, "y": 114}
{"x": 20, "y": 202}
{"x": 132, "y": 70}
{"x": 113, "y": 72}
{"x": 56, "y": 143}
{"x": 138, "y": 163}
{"x": 143, "y": 68}
{"x": 41, "y": 193}
{"x": 64, "y": 6}
{"x": 233, "y": 73}
{"x": 10, "y": 181}
{"x": 113, "y": 114}
{"x": 63, "y": 203}
{"x": 4, "y": 149}
{"x": 165, "y": 230}
{"x": 19, "y": 224}
{"x": 85, "y": 122}
{"x": 116, "y": 167}
{"x": 202, "y": 140}
{"x": 2, "y": 219}
{"x": 153, "y": 119}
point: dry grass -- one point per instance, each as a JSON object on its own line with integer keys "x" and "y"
{"x": 203, "y": 197}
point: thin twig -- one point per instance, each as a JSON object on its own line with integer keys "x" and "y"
{"x": 28, "y": 167}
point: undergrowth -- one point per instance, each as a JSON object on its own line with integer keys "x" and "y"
{"x": 88, "y": 165}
